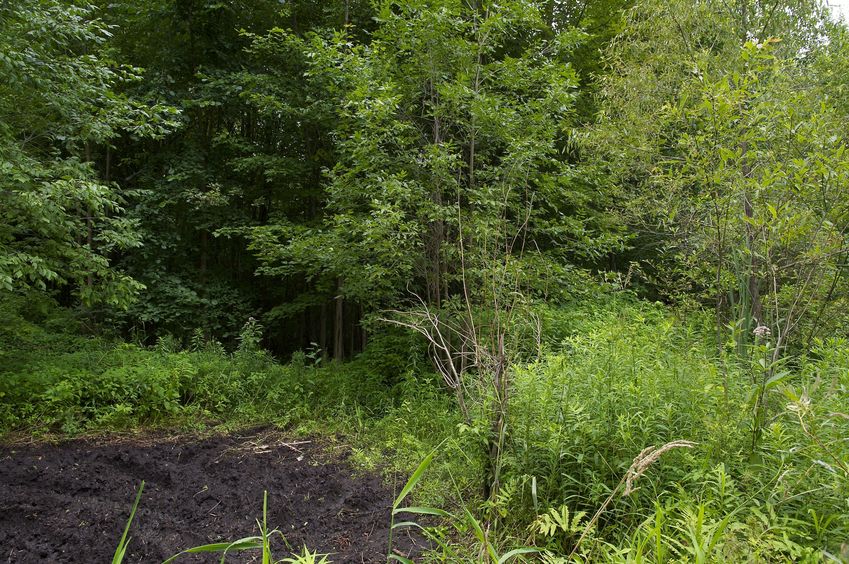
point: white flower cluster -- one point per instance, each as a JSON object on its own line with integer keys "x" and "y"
{"x": 762, "y": 331}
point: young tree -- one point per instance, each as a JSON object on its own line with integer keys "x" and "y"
{"x": 699, "y": 129}
{"x": 451, "y": 190}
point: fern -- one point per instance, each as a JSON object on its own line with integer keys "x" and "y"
{"x": 557, "y": 526}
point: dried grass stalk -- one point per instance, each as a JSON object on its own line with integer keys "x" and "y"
{"x": 645, "y": 459}
{"x": 641, "y": 463}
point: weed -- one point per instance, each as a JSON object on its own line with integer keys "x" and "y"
{"x": 121, "y": 551}
{"x": 261, "y": 542}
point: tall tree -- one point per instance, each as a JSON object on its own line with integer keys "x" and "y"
{"x": 251, "y": 148}
{"x": 452, "y": 198}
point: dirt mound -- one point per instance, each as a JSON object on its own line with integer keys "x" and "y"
{"x": 70, "y": 502}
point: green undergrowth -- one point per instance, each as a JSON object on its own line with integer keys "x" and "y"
{"x": 634, "y": 377}
{"x": 611, "y": 377}
{"x": 55, "y": 383}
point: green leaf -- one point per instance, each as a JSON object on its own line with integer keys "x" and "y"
{"x": 125, "y": 541}
{"x": 414, "y": 479}
{"x": 247, "y": 543}
{"x": 777, "y": 379}
{"x": 402, "y": 524}
{"x": 517, "y": 552}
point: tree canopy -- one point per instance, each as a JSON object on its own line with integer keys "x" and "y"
{"x": 193, "y": 163}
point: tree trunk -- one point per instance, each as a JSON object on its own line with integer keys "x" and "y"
{"x": 497, "y": 424}
{"x": 204, "y": 252}
{"x": 352, "y": 328}
{"x": 339, "y": 330}
{"x": 752, "y": 283}
{"x": 322, "y": 330}
{"x": 89, "y": 220}
{"x": 363, "y": 334}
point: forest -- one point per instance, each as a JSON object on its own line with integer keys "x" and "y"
{"x": 558, "y": 281}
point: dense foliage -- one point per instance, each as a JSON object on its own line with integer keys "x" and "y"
{"x": 60, "y": 219}
{"x": 592, "y": 254}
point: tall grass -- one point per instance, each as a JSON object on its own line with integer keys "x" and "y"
{"x": 625, "y": 376}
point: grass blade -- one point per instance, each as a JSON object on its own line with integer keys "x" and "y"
{"x": 414, "y": 479}
{"x": 481, "y": 536}
{"x": 121, "y": 550}
{"x": 402, "y": 524}
{"x": 247, "y": 543}
{"x": 422, "y": 511}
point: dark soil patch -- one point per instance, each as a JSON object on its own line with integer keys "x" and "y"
{"x": 70, "y": 502}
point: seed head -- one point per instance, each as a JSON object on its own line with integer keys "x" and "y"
{"x": 645, "y": 459}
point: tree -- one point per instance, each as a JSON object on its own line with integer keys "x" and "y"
{"x": 249, "y": 152}
{"x": 444, "y": 105}
{"x": 699, "y": 128}
{"x": 452, "y": 200}
{"x": 59, "y": 222}
{"x": 741, "y": 177}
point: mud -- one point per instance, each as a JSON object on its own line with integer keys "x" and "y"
{"x": 69, "y": 502}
